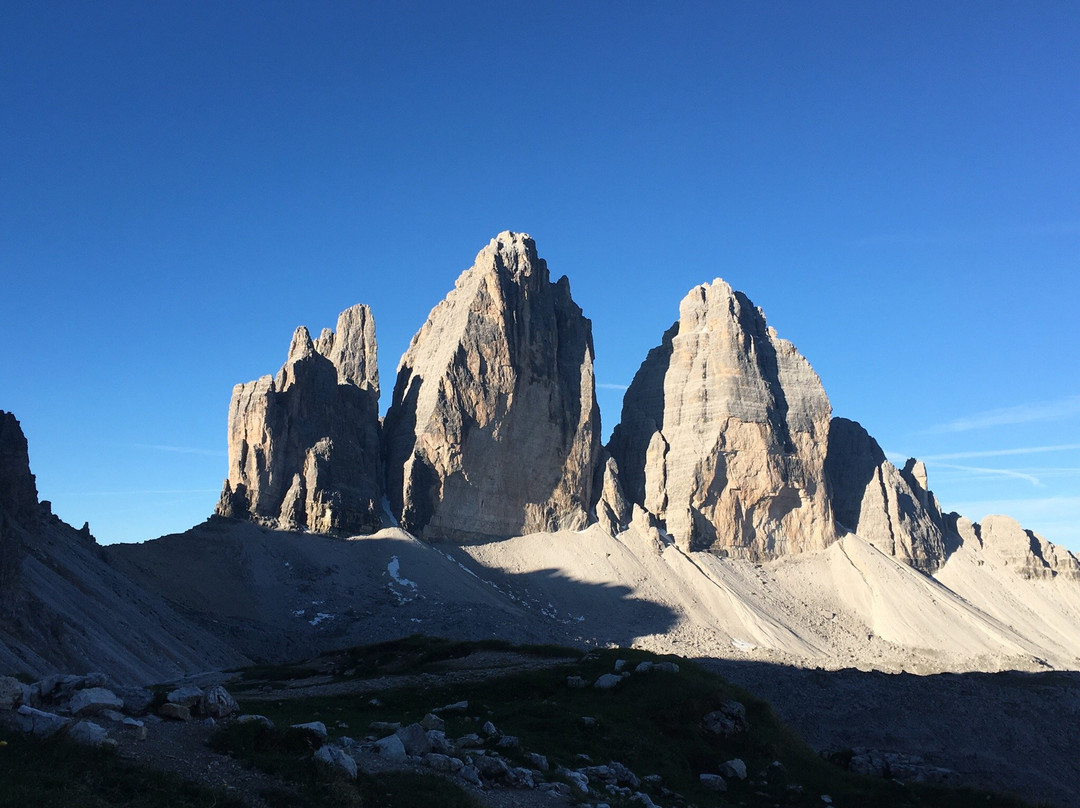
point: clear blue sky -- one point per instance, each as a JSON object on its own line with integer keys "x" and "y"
{"x": 897, "y": 185}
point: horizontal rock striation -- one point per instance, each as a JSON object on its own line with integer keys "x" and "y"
{"x": 304, "y": 446}
{"x": 1004, "y": 540}
{"x": 723, "y": 433}
{"x": 891, "y": 509}
{"x": 494, "y": 427}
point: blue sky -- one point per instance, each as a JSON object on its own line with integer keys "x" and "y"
{"x": 897, "y": 185}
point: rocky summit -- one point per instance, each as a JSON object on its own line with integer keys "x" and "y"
{"x": 304, "y": 446}
{"x": 494, "y": 429}
{"x": 891, "y": 509}
{"x": 723, "y": 433}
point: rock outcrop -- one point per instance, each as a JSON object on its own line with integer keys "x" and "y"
{"x": 891, "y": 509}
{"x": 18, "y": 501}
{"x": 723, "y": 433}
{"x": 494, "y": 429}
{"x": 1004, "y": 540}
{"x": 304, "y": 446}
{"x": 18, "y": 490}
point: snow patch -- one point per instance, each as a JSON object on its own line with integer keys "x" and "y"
{"x": 394, "y": 568}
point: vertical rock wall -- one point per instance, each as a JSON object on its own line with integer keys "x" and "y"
{"x": 494, "y": 429}
{"x": 723, "y": 433}
{"x": 304, "y": 446}
{"x": 891, "y": 509}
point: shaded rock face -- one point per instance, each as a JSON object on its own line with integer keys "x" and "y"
{"x": 723, "y": 433}
{"x": 1028, "y": 553}
{"x": 18, "y": 501}
{"x": 494, "y": 428}
{"x": 18, "y": 490}
{"x": 304, "y": 446}
{"x": 891, "y": 509}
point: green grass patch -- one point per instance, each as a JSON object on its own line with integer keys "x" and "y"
{"x": 651, "y": 722}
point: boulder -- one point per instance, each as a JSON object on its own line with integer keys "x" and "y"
{"x": 889, "y": 508}
{"x": 316, "y": 728}
{"x": 186, "y": 696}
{"x": 734, "y": 769}
{"x": 87, "y": 733}
{"x": 253, "y": 718}
{"x": 38, "y": 722}
{"x": 728, "y": 720}
{"x": 11, "y": 692}
{"x": 415, "y": 740}
{"x": 177, "y": 712}
{"x": 391, "y": 748}
{"x": 432, "y": 721}
{"x": 491, "y": 767}
{"x": 439, "y": 742}
{"x": 217, "y": 703}
{"x": 494, "y": 430}
{"x": 607, "y": 681}
{"x": 723, "y": 434}
{"x": 93, "y": 700}
{"x": 713, "y": 782}
{"x": 304, "y": 445}
{"x": 337, "y": 759}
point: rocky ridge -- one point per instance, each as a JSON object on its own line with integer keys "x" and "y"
{"x": 723, "y": 432}
{"x": 891, "y": 509}
{"x": 62, "y": 605}
{"x": 304, "y": 446}
{"x": 494, "y": 429}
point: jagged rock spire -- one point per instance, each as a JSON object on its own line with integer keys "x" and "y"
{"x": 494, "y": 427}
{"x": 304, "y": 447}
{"x": 723, "y": 433}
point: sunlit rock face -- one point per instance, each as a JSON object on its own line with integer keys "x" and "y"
{"x": 494, "y": 428}
{"x": 891, "y": 509}
{"x": 724, "y": 432}
{"x": 1003, "y": 540}
{"x": 304, "y": 446}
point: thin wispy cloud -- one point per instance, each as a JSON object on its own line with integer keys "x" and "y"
{"x": 1008, "y": 416}
{"x": 610, "y": 386}
{"x": 138, "y": 493}
{"x": 1063, "y": 447}
{"x": 157, "y": 447}
{"x": 1013, "y": 473}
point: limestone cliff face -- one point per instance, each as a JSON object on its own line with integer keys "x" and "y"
{"x": 18, "y": 501}
{"x": 494, "y": 428}
{"x": 891, "y": 509}
{"x": 723, "y": 433}
{"x": 1029, "y": 554}
{"x": 304, "y": 447}
{"x": 18, "y": 490}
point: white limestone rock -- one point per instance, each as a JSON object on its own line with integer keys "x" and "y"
{"x": 891, "y": 509}
{"x": 304, "y": 446}
{"x": 494, "y": 430}
{"x": 723, "y": 433}
{"x": 1004, "y": 540}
